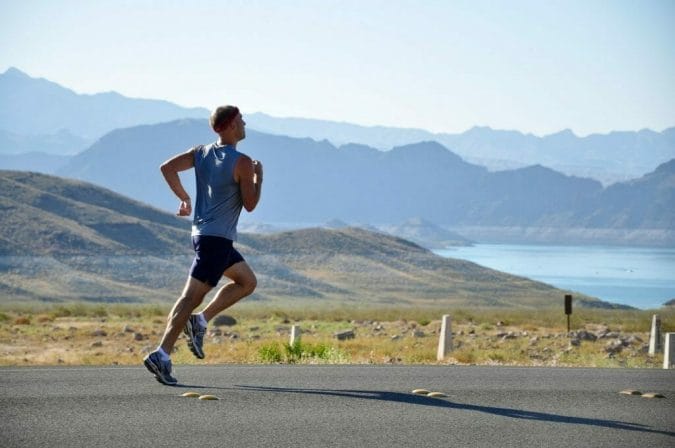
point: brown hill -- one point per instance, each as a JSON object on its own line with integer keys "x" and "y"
{"x": 356, "y": 265}
{"x": 47, "y": 215}
{"x": 69, "y": 240}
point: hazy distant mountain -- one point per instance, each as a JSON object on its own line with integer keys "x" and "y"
{"x": 33, "y": 161}
{"x": 36, "y": 106}
{"x": 313, "y": 182}
{"x": 76, "y": 241}
{"x": 37, "y": 115}
{"x": 41, "y": 153}
{"x": 61, "y": 143}
{"x": 647, "y": 202}
{"x": 427, "y": 234}
{"x": 338, "y": 133}
{"x": 305, "y": 181}
{"x": 606, "y": 157}
{"x": 127, "y": 160}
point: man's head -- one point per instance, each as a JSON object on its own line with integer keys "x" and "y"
{"x": 226, "y": 121}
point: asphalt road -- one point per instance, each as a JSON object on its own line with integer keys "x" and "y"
{"x": 336, "y": 406}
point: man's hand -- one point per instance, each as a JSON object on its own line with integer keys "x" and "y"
{"x": 248, "y": 173}
{"x": 170, "y": 169}
{"x": 258, "y": 170}
{"x": 185, "y": 208}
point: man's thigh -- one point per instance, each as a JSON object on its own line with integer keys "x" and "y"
{"x": 240, "y": 273}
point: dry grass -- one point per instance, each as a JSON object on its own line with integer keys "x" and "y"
{"x": 79, "y": 334}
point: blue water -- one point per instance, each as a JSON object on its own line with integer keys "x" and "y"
{"x": 639, "y": 277}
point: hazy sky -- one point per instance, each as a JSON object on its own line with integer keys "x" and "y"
{"x": 536, "y": 66}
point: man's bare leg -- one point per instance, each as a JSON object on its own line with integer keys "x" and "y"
{"x": 193, "y": 295}
{"x": 243, "y": 284}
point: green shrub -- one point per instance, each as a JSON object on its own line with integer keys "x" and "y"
{"x": 270, "y": 353}
{"x": 320, "y": 351}
{"x": 294, "y": 352}
{"x": 299, "y": 352}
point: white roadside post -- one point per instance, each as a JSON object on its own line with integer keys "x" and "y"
{"x": 655, "y": 336}
{"x": 295, "y": 334}
{"x": 669, "y": 351}
{"x": 445, "y": 339}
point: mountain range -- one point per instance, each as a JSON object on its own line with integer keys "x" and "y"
{"x": 37, "y": 115}
{"x": 310, "y": 182}
{"x": 606, "y": 157}
{"x": 68, "y": 240}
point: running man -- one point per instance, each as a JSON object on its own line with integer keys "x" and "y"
{"x": 227, "y": 180}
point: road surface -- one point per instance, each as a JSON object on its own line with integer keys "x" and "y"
{"x": 336, "y": 406}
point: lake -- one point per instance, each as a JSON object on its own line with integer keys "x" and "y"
{"x": 635, "y": 276}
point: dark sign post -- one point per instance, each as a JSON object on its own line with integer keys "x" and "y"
{"x": 568, "y": 310}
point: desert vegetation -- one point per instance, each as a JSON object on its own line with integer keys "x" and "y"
{"x": 120, "y": 334}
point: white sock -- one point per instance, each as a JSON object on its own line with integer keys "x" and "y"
{"x": 164, "y": 355}
{"x": 202, "y": 319}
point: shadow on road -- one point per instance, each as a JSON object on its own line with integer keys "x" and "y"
{"x": 407, "y": 398}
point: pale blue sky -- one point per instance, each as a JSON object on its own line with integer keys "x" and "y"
{"x": 535, "y": 66}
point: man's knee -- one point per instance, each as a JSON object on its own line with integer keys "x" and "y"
{"x": 249, "y": 283}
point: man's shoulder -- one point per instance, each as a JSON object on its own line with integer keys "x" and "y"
{"x": 202, "y": 150}
{"x": 196, "y": 149}
{"x": 243, "y": 162}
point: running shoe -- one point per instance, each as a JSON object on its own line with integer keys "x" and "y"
{"x": 162, "y": 369}
{"x": 195, "y": 336}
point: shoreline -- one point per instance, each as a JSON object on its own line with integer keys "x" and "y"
{"x": 569, "y": 236}
{"x": 634, "y": 276}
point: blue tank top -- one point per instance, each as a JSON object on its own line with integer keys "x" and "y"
{"x": 219, "y": 201}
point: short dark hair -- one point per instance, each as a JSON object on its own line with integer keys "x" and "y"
{"x": 222, "y": 116}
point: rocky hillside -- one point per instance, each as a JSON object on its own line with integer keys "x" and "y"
{"x": 69, "y": 240}
{"x": 46, "y": 215}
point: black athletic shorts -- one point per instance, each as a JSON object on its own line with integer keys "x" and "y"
{"x": 213, "y": 256}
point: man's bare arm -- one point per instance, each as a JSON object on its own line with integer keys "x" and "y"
{"x": 249, "y": 175}
{"x": 170, "y": 170}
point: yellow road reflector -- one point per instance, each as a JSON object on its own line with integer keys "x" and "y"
{"x": 208, "y": 397}
{"x": 630, "y": 392}
{"x": 420, "y": 392}
{"x": 436, "y": 395}
{"x": 190, "y": 394}
{"x": 653, "y": 395}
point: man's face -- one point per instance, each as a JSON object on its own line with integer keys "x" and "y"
{"x": 240, "y": 125}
